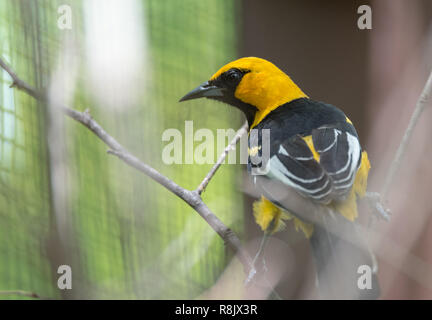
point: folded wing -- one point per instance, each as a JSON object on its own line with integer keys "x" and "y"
{"x": 323, "y": 170}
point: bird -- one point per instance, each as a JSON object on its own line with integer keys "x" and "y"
{"x": 311, "y": 147}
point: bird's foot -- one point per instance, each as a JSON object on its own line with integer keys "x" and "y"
{"x": 377, "y": 207}
{"x": 258, "y": 270}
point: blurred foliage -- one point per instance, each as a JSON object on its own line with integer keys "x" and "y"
{"x": 125, "y": 236}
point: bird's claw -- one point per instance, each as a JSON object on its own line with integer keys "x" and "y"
{"x": 251, "y": 276}
{"x": 256, "y": 272}
{"x": 377, "y": 207}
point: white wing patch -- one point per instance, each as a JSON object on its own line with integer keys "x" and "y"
{"x": 343, "y": 178}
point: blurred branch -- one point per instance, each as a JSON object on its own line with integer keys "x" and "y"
{"x": 230, "y": 146}
{"x": 419, "y": 108}
{"x": 21, "y": 293}
{"x": 192, "y": 198}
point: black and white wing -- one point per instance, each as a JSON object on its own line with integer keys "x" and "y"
{"x": 323, "y": 170}
{"x": 340, "y": 155}
{"x": 294, "y": 165}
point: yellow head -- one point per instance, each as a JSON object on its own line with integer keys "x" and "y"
{"x": 255, "y": 86}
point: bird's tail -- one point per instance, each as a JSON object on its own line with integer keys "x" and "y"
{"x": 344, "y": 266}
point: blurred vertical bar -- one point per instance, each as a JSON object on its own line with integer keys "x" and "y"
{"x": 400, "y": 61}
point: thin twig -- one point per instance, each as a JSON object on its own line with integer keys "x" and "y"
{"x": 229, "y": 147}
{"x": 20, "y": 293}
{"x": 419, "y": 108}
{"x": 190, "y": 197}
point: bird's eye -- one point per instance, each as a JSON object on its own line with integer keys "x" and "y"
{"x": 232, "y": 76}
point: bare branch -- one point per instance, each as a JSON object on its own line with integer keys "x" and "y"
{"x": 194, "y": 200}
{"x": 230, "y": 146}
{"x": 18, "y": 83}
{"x": 422, "y": 102}
{"x": 190, "y": 197}
{"x": 20, "y": 293}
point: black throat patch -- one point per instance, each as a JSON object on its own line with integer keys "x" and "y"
{"x": 229, "y": 80}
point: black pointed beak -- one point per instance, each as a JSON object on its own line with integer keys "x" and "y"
{"x": 203, "y": 90}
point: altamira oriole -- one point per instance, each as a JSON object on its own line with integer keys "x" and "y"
{"x": 314, "y": 149}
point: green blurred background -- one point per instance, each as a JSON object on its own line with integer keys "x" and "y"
{"x": 123, "y": 235}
